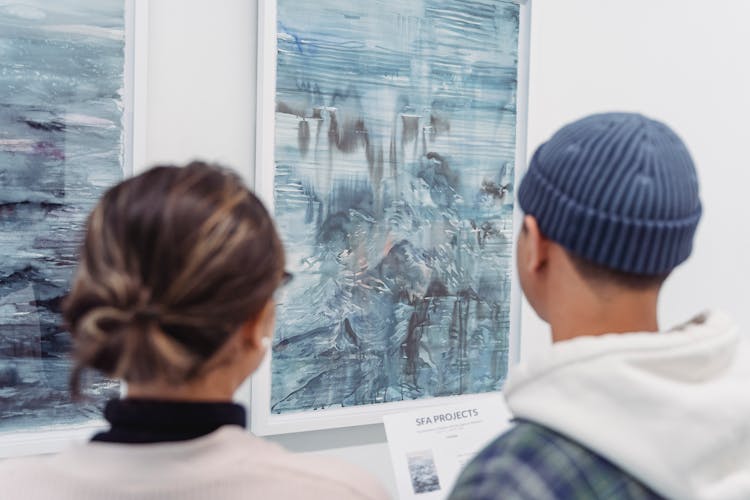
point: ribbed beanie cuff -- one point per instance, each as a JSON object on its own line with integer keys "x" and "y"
{"x": 603, "y": 231}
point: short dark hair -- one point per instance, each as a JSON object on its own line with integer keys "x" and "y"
{"x": 173, "y": 262}
{"x": 602, "y": 275}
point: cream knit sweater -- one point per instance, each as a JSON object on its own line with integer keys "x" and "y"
{"x": 229, "y": 463}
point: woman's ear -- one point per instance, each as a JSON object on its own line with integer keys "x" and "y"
{"x": 256, "y": 332}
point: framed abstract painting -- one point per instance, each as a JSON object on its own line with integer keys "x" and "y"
{"x": 391, "y": 134}
{"x": 67, "y": 111}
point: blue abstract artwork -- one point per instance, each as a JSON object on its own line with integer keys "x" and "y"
{"x": 395, "y": 137}
{"x": 61, "y": 137}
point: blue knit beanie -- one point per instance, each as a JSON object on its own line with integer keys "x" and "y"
{"x": 616, "y": 189}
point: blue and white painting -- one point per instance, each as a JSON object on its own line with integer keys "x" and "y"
{"x": 394, "y": 167}
{"x": 61, "y": 86}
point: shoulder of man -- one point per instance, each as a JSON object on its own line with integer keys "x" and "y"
{"x": 533, "y": 462}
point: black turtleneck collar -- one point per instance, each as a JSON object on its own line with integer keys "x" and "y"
{"x": 151, "y": 421}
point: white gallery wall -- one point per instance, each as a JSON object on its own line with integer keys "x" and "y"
{"x": 681, "y": 61}
{"x": 201, "y": 81}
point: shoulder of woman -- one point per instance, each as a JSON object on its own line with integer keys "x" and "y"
{"x": 18, "y": 470}
{"x": 349, "y": 480}
{"x": 322, "y": 476}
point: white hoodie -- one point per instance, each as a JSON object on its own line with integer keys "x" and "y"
{"x": 672, "y": 408}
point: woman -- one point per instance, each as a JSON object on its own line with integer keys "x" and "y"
{"x": 174, "y": 296}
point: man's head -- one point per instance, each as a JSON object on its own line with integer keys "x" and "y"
{"x": 611, "y": 204}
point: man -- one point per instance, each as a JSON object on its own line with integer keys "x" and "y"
{"x": 617, "y": 409}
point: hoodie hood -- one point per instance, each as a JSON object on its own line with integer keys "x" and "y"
{"x": 670, "y": 408}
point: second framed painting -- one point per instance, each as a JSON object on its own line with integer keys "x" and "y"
{"x": 391, "y": 135}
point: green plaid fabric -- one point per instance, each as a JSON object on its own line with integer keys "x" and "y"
{"x": 531, "y": 462}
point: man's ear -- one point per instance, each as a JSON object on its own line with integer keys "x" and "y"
{"x": 536, "y": 245}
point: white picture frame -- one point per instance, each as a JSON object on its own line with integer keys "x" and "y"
{"x": 53, "y": 438}
{"x": 262, "y": 420}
